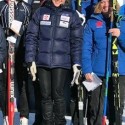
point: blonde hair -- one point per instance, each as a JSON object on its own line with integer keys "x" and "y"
{"x": 98, "y": 9}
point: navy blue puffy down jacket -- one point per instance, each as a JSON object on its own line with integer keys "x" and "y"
{"x": 54, "y": 37}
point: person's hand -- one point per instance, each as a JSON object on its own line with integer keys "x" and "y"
{"x": 76, "y": 71}
{"x": 12, "y": 39}
{"x": 115, "y": 32}
{"x": 1, "y": 69}
{"x": 89, "y": 77}
{"x": 32, "y": 69}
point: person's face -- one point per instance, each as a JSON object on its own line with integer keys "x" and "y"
{"x": 57, "y": 3}
{"x": 104, "y": 5}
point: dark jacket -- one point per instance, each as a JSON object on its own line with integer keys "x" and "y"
{"x": 3, "y": 49}
{"x": 54, "y": 37}
{"x": 95, "y": 38}
{"x": 22, "y": 11}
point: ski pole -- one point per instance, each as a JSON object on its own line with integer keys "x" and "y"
{"x": 80, "y": 104}
{"x": 81, "y": 97}
{"x": 107, "y": 70}
{"x": 86, "y": 109}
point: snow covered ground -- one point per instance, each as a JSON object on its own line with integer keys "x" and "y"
{"x": 16, "y": 119}
{"x": 32, "y": 115}
{"x": 31, "y": 119}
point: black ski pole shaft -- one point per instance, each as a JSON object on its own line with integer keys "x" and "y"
{"x": 80, "y": 104}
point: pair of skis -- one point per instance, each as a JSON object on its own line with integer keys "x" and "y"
{"x": 108, "y": 66}
{"x": 10, "y": 66}
{"x": 113, "y": 51}
{"x": 82, "y": 120}
{"x": 82, "y": 103}
{"x": 10, "y": 85}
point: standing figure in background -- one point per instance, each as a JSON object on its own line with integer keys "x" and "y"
{"x": 22, "y": 12}
{"x": 94, "y": 59}
{"x": 88, "y": 7}
{"x": 53, "y": 45}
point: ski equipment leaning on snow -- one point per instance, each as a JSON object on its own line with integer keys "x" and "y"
{"x": 10, "y": 86}
{"x": 76, "y": 5}
{"x": 81, "y": 96}
{"x": 115, "y": 64}
{"x": 115, "y": 18}
{"x": 10, "y": 68}
{"x": 107, "y": 69}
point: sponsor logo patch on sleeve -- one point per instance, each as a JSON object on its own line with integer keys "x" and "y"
{"x": 99, "y": 24}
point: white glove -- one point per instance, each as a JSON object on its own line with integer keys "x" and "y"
{"x": 76, "y": 70}
{"x": 82, "y": 16}
{"x": 33, "y": 71}
{"x": 1, "y": 70}
{"x": 12, "y": 39}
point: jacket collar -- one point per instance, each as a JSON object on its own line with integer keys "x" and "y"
{"x": 98, "y": 17}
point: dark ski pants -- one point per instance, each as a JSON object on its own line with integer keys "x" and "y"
{"x": 2, "y": 94}
{"x": 38, "y": 111}
{"x": 52, "y": 91}
{"x": 96, "y": 103}
{"x": 23, "y": 93}
{"x": 21, "y": 80}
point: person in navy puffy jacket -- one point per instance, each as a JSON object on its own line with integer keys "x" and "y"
{"x": 53, "y": 45}
{"x": 94, "y": 59}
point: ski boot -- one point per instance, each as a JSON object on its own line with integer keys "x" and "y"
{"x": 23, "y": 121}
{"x": 5, "y": 120}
